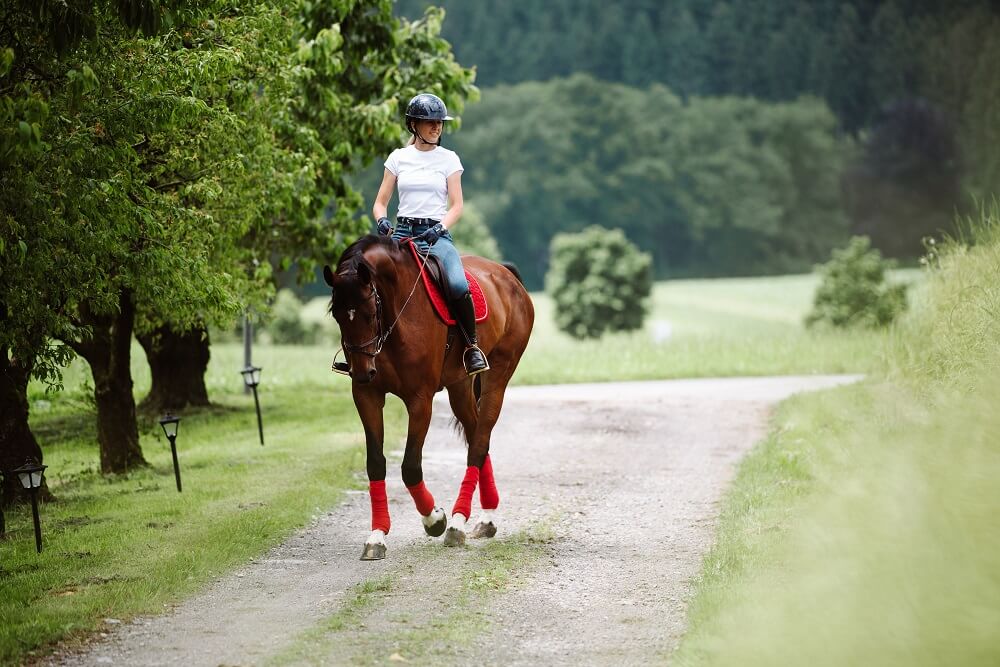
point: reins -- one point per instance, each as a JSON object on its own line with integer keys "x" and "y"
{"x": 379, "y": 338}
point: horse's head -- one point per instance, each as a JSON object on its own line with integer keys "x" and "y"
{"x": 357, "y": 307}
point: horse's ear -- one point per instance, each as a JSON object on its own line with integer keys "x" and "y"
{"x": 364, "y": 273}
{"x": 328, "y": 275}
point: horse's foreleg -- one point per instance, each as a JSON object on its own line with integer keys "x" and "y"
{"x": 432, "y": 517}
{"x": 369, "y": 407}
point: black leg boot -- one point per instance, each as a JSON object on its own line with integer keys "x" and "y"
{"x": 465, "y": 316}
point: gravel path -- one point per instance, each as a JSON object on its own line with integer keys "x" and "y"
{"x": 624, "y": 477}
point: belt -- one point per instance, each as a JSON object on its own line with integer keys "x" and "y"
{"x": 413, "y": 222}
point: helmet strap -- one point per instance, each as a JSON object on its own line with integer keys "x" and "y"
{"x": 425, "y": 141}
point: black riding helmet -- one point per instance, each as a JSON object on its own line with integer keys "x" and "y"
{"x": 425, "y": 106}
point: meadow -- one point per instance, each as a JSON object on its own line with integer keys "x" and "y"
{"x": 122, "y": 546}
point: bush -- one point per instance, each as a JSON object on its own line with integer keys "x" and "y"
{"x": 286, "y": 326}
{"x": 854, "y": 291}
{"x": 599, "y": 282}
{"x": 473, "y": 236}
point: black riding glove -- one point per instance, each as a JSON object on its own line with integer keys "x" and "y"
{"x": 384, "y": 226}
{"x": 432, "y": 234}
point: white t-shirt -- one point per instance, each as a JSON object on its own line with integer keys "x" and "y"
{"x": 422, "y": 180}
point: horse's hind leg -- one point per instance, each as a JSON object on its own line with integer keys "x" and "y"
{"x": 489, "y": 500}
{"x": 479, "y": 470}
{"x": 433, "y": 518}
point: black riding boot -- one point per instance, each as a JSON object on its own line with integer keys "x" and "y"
{"x": 465, "y": 316}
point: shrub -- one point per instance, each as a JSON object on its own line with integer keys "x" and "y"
{"x": 599, "y": 282}
{"x": 473, "y": 236}
{"x": 286, "y": 326}
{"x": 854, "y": 291}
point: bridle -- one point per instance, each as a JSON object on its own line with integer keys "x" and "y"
{"x": 379, "y": 338}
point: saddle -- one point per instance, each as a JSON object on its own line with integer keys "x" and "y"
{"x": 435, "y": 287}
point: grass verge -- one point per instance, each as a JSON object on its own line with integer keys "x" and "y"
{"x": 863, "y": 530}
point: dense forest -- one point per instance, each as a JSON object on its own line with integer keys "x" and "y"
{"x": 642, "y": 141}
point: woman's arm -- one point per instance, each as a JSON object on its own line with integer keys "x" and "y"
{"x": 381, "y": 205}
{"x": 455, "y": 200}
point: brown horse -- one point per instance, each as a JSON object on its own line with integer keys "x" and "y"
{"x": 395, "y": 343}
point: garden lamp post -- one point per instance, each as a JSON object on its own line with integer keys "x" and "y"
{"x": 251, "y": 378}
{"x": 30, "y": 475}
{"x": 170, "y": 425}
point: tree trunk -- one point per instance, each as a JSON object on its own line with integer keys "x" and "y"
{"x": 17, "y": 442}
{"x": 109, "y": 356}
{"x": 178, "y": 362}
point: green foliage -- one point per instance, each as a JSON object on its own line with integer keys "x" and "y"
{"x": 173, "y": 166}
{"x": 599, "y": 281}
{"x": 473, "y": 237}
{"x": 286, "y": 325}
{"x": 712, "y": 186}
{"x": 854, "y": 291}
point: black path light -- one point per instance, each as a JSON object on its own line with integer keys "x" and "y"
{"x": 30, "y": 475}
{"x": 170, "y": 425}
{"x": 251, "y": 378}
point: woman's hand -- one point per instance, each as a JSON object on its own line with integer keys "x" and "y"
{"x": 432, "y": 234}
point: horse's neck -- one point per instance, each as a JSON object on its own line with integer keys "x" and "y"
{"x": 395, "y": 274}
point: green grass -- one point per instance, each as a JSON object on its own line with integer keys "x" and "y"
{"x": 863, "y": 530}
{"x": 717, "y": 328}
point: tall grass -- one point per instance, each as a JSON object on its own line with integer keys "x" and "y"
{"x": 864, "y": 530}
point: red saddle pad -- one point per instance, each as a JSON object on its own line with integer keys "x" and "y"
{"x": 434, "y": 292}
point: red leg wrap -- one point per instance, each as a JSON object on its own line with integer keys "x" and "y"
{"x": 380, "y": 506}
{"x": 489, "y": 499}
{"x": 463, "y": 505}
{"x": 422, "y": 498}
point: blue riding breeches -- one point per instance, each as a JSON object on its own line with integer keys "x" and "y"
{"x": 445, "y": 251}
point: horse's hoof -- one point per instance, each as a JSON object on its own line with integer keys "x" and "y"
{"x": 437, "y": 528}
{"x": 454, "y": 538}
{"x": 483, "y": 530}
{"x": 373, "y": 552}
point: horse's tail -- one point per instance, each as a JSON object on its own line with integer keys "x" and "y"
{"x": 510, "y": 266}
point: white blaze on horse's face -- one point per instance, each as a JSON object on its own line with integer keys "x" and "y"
{"x": 350, "y": 314}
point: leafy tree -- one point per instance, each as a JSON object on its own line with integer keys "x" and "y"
{"x": 854, "y": 291}
{"x": 599, "y": 282}
{"x": 170, "y": 161}
{"x": 47, "y": 266}
{"x": 328, "y": 87}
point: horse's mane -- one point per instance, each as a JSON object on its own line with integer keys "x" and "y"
{"x": 355, "y": 252}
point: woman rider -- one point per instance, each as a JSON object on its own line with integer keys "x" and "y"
{"x": 429, "y": 179}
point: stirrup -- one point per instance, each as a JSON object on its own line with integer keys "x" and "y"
{"x": 465, "y": 362}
